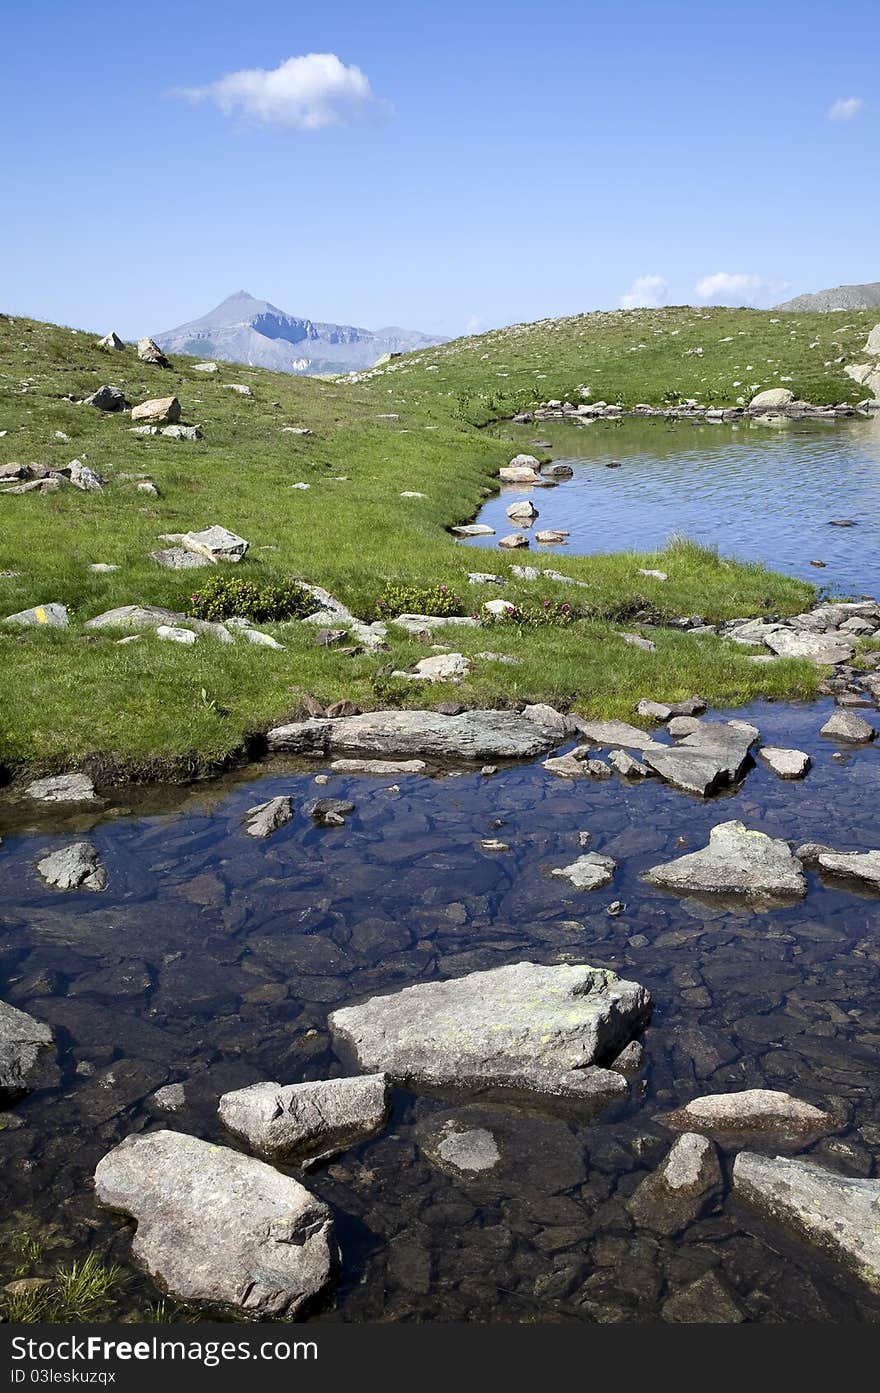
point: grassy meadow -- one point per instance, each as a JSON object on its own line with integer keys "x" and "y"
{"x": 155, "y": 709}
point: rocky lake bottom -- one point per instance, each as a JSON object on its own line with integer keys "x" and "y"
{"x": 212, "y": 960}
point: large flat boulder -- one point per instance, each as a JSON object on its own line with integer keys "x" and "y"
{"x": 827, "y": 649}
{"x": 695, "y": 771}
{"x": 541, "y": 1029}
{"x": 23, "y": 1041}
{"x": 836, "y": 1213}
{"x": 737, "y": 861}
{"x": 615, "y": 733}
{"x": 474, "y": 735}
{"x": 730, "y": 742}
{"x": 307, "y": 1120}
{"x": 219, "y": 1227}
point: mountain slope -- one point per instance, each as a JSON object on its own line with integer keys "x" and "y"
{"x": 840, "y": 297}
{"x": 245, "y": 330}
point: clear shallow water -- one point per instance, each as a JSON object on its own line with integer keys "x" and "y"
{"x": 761, "y": 493}
{"x": 214, "y": 960}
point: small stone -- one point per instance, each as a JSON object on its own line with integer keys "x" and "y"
{"x": 170, "y": 1098}
{"x": 628, "y": 767}
{"x": 387, "y": 768}
{"x": 656, "y": 710}
{"x": 266, "y": 818}
{"x": 107, "y": 399}
{"x": 786, "y": 764}
{"x": 74, "y": 867}
{"x": 844, "y": 725}
{"x": 149, "y": 352}
{"x": 588, "y": 872}
{"x": 173, "y": 634}
{"x": 513, "y": 541}
{"x": 707, "y": 1301}
{"x": 330, "y": 812}
{"x": 681, "y": 1187}
{"x": 680, "y": 726}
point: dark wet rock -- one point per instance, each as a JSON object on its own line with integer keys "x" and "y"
{"x": 786, "y": 764}
{"x": 681, "y": 1187}
{"x": 630, "y": 1060}
{"x": 860, "y": 865}
{"x": 473, "y": 735}
{"x": 762, "y": 1110}
{"x": 523, "y": 1026}
{"x": 23, "y": 1044}
{"x": 330, "y": 812}
{"x": 338, "y": 709}
{"x": 266, "y": 818}
{"x": 111, "y": 1091}
{"x": 170, "y": 1098}
{"x": 589, "y": 872}
{"x": 75, "y": 867}
{"x": 314, "y": 1120}
{"x": 836, "y": 1213}
{"x": 219, "y": 1227}
{"x": 62, "y": 788}
{"x": 737, "y": 861}
{"x": 707, "y": 1301}
{"x": 844, "y": 725}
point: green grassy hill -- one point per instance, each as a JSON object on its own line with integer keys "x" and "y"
{"x": 154, "y": 708}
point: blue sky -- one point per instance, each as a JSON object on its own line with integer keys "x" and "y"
{"x": 488, "y": 162}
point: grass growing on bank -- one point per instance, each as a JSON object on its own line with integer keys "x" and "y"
{"x": 153, "y": 708}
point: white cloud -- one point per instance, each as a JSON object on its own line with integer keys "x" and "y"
{"x": 846, "y": 109}
{"x": 739, "y": 288}
{"x": 303, "y": 93}
{"x": 646, "y": 292}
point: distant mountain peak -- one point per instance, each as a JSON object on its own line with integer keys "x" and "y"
{"x": 243, "y": 329}
{"x": 840, "y": 297}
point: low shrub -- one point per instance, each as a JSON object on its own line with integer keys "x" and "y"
{"x": 547, "y": 614}
{"x": 415, "y": 599}
{"x": 223, "y": 597}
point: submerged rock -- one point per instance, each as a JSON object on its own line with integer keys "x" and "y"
{"x": 464, "y": 1152}
{"x": 680, "y": 1188}
{"x": 74, "y": 867}
{"x": 836, "y": 1213}
{"x": 524, "y": 1026}
{"x": 736, "y": 861}
{"x": 266, "y": 818}
{"x": 589, "y": 872}
{"x": 755, "y": 1110}
{"x": 707, "y": 1301}
{"x": 482, "y": 736}
{"x": 23, "y": 1042}
{"x": 216, "y": 1226}
{"x": 294, "y": 1121}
